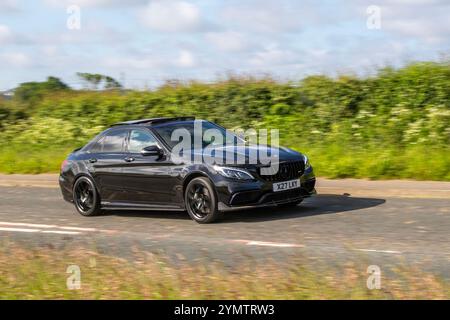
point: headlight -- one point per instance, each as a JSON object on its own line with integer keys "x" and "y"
{"x": 306, "y": 160}
{"x": 234, "y": 173}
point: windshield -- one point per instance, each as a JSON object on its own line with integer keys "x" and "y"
{"x": 173, "y": 134}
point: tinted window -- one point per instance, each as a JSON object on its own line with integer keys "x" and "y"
{"x": 166, "y": 132}
{"x": 96, "y": 148}
{"x": 111, "y": 142}
{"x": 140, "y": 139}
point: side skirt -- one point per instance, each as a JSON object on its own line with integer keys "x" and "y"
{"x": 134, "y": 206}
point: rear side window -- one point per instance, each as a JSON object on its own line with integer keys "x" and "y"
{"x": 97, "y": 147}
{"x": 111, "y": 142}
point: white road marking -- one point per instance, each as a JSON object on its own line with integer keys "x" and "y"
{"x": 19, "y": 229}
{"x": 38, "y": 231}
{"x": 35, "y": 227}
{"x": 269, "y": 244}
{"x": 380, "y": 251}
{"x": 46, "y": 226}
{"x": 78, "y": 229}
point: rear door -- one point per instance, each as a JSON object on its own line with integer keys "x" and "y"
{"x": 147, "y": 179}
{"x": 107, "y": 159}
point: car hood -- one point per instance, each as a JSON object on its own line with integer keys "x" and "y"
{"x": 249, "y": 154}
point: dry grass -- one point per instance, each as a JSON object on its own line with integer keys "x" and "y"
{"x": 41, "y": 274}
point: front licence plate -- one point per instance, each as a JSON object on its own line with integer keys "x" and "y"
{"x": 286, "y": 185}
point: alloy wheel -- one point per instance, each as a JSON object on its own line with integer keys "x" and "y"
{"x": 199, "y": 200}
{"x": 84, "y": 196}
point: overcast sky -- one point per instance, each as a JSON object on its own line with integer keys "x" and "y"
{"x": 143, "y": 42}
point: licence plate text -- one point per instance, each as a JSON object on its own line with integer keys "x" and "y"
{"x": 286, "y": 185}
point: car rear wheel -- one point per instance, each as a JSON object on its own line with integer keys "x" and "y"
{"x": 85, "y": 197}
{"x": 201, "y": 201}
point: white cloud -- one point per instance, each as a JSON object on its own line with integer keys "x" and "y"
{"x": 94, "y": 3}
{"x": 5, "y": 34}
{"x": 154, "y": 61}
{"x": 9, "y": 6}
{"x": 429, "y": 31}
{"x": 91, "y": 33}
{"x": 429, "y": 26}
{"x": 16, "y": 59}
{"x": 171, "y": 16}
{"x": 127, "y": 63}
{"x": 228, "y": 40}
{"x": 185, "y": 59}
{"x": 263, "y": 16}
{"x": 9, "y": 37}
{"x": 175, "y": 38}
{"x": 273, "y": 55}
{"x": 50, "y": 51}
{"x": 423, "y": 20}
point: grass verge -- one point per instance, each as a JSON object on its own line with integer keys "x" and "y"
{"x": 42, "y": 274}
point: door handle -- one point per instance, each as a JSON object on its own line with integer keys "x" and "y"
{"x": 93, "y": 160}
{"x": 129, "y": 159}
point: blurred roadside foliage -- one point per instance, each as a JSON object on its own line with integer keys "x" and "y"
{"x": 395, "y": 124}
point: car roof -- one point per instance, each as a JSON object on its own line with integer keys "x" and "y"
{"x": 154, "y": 121}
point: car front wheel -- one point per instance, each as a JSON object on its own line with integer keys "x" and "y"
{"x": 201, "y": 201}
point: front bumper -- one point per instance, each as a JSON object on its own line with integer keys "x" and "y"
{"x": 259, "y": 193}
{"x": 267, "y": 201}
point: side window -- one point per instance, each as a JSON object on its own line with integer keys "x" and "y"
{"x": 115, "y": 141}
{"x": 140, "y": 139}
{"x": 112, "y": 142}
{"x": 97, "y": 147}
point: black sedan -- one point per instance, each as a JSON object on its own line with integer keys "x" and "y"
{"x": 132, "y": 166}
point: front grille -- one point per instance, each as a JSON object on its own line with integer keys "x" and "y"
{"x": 286, "y": 171}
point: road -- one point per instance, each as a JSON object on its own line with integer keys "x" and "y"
{"x": 386, "y": 223}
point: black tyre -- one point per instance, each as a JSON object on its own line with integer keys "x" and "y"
{"x": 85, "y": 197}
{"x": 201, "y": 201}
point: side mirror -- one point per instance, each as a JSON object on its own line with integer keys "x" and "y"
{"x": 152, "y": 151}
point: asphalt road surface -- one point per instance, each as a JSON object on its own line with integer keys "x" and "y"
{"x": 385, "y": 223}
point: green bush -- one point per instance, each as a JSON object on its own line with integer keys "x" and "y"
{"x": 394, "y": 124}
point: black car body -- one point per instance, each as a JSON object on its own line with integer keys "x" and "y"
{"x": 130, "y": 166}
